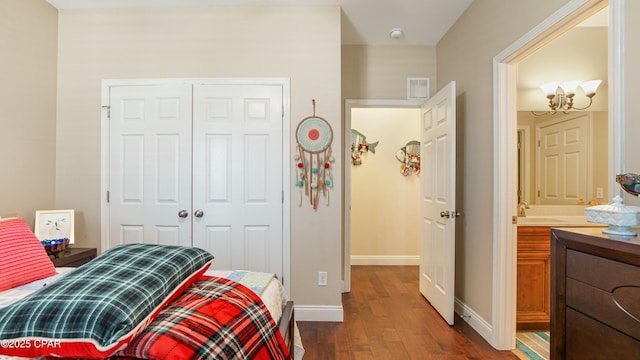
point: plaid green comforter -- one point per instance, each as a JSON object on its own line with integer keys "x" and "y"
{"x": 105, "y": 300}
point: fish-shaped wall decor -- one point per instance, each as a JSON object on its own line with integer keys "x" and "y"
{"x": 359, "y": 145}
{"x": 409, "y": 156}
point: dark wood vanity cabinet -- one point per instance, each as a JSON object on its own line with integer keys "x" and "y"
{"x": 595, "y": 295}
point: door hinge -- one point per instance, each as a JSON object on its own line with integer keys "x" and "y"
{"x": 107, "y": 196}
{"x": 108, "y": 108}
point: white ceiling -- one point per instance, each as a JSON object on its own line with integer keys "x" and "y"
{"x": 365, "y": 22}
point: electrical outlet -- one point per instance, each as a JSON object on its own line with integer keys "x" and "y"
{"x": 599, "y": 193}
{"x": 322, "y": 278}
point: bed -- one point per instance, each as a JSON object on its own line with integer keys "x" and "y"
{"x": 139, "y": 301}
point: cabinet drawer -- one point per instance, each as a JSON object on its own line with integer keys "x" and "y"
{"x": 589, "y": 339}
{"x": 611, "y": 299}
{"x": 602, "y": 273}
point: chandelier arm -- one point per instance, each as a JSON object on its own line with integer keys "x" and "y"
{"x": 583, "y": 108}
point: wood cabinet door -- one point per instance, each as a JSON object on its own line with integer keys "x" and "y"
{"x": 533, "y": 307}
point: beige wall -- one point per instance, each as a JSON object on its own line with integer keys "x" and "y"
{"x": 563, "y": 59}
{"x": 28, "y": 38}
{"x": 465, "y": 54}
{"x": 381, "y": 72}
{"x": 385, "y": 205}
{"x": 299, "y": 43}
{"x": 600, "y": 141}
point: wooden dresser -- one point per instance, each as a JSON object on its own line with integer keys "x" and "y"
{"x": 595, "y": 295}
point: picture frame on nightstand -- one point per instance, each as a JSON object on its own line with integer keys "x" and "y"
{"x": 54, "y": 225}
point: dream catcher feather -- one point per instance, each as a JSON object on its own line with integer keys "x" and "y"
{"x": 313, "y": 158}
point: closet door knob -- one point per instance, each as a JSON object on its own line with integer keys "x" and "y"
{"x": 183, "y": 213}
{"x": 444, "y": 214}
{"x": 198, "y": 213}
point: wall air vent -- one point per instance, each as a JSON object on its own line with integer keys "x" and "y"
{"x": 417, "y": 88}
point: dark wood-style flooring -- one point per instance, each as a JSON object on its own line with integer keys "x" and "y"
{"x": 386, "y": 317}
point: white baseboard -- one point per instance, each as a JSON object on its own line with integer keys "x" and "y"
{"x": 319, "y": 313}
{"x": 385, "y": 260}
{"x": 480, "y": 325}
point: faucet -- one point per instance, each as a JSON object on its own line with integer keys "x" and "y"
{"x": 521, "y": 207}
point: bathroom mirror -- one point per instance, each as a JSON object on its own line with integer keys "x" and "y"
{"x": 563, "y": 157}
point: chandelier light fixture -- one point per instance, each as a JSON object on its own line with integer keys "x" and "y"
{"x": 560, "y": 95}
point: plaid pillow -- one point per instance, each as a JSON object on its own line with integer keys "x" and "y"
{"x": 95, "y": 310}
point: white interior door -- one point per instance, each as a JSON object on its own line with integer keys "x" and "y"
{"x": 563, "y": 161}
{"x": 438, "y": 200}
{"x": 238, "y": 175}
{"x": 150, "y": 164}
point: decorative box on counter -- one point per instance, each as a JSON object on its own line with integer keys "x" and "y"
{"x": 619, "y": 217}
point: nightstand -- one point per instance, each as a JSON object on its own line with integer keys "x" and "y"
{"x": 74, "y": 257}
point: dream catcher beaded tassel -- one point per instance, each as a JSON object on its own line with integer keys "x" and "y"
{"x": 313, "y": 158}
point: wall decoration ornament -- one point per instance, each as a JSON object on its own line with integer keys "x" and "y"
{"x": 359, "y": 146}
{"x": 409, "y": 156}
{"x": 313, "y": 158}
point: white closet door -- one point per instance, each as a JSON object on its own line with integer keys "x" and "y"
{"x": 150, "y": 164}
{"x": 238, "y": 175}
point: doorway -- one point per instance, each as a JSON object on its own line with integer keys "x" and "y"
{"x": 350, "y": 106}
{"x": 385, "y": 186}
{"x": 505, "y": 149}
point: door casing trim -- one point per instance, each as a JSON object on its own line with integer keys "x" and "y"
{"x": 503, "y": 310}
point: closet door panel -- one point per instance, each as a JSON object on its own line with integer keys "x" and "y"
{"x": 218, "y": 168}
{"x": 256, "y": 177}
{"x": 150, "y": 164}
{"x": 237, "y": 156}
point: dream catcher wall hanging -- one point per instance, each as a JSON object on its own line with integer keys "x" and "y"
{"x": 313, "y": 158}
{"x": 409, "y": 156}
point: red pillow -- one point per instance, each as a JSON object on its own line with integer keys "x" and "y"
{"x": 24, "y": 259}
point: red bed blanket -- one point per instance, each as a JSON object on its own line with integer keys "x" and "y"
{"x": 215, "y": 318}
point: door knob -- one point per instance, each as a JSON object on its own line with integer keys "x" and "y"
{"x": 444, "y": 214}
{"x": 198, "y": 213}
{"x": 183, "y": 213}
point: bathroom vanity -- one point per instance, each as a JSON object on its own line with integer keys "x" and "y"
{"x": 533, "y": 309}
{"x": 595, "y": 295}
{"x": 533, "y": 300}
